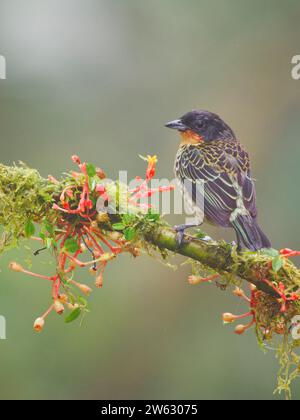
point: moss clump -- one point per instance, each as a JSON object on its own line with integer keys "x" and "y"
{"x": 24, "y": 197}
{"x": 289, "y": 362}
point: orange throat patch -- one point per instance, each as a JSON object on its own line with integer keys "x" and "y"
{"x": 189, "y": 137}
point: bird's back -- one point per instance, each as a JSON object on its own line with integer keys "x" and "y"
{"x": 222, "y": 170}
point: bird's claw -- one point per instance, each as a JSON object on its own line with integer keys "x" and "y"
{"x": 180, "y": 230}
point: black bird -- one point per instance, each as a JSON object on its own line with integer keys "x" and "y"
{"x": 210, "y": 153}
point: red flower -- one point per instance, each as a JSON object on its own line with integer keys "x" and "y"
{"x": 76, "y": 159}
{"x": 150, "y": 173}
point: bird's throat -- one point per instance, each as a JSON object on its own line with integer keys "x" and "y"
{"x": 189, "y": 137}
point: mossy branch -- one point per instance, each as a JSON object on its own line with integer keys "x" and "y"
{"x": 25, "y": 195}
{"x": 70, "y": 225}
{"x": 218, "y": 256}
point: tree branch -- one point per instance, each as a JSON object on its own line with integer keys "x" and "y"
{"x": 25, "y": 194}
{"x": 214, "y": 255}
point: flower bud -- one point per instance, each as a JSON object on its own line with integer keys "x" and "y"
{"x": 85, "y": 289}
{"x": 193, "y": 280}
{"x": 16, "y": 267}
{"x": 99, "y": 281}
{"x": 76, "y": 159}
{"x": 238, "y": 292}
{"x": 228, "y": 318}
{"x": 39, "y": 324}
{"x": 100, "y": 173}
{"x": 59, "y": 307}
{"x": 240, "y": 329}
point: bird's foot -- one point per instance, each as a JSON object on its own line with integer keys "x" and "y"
{"x": 180, "y": 230}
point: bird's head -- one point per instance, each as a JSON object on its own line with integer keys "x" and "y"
{"x": 201, "y": 126}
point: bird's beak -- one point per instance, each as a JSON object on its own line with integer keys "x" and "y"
{"x": 176, "y": 125}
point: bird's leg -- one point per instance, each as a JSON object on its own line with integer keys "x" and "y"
{"x": 180, "y": 229}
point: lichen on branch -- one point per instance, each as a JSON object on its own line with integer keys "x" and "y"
{"x": 64, "y": 216}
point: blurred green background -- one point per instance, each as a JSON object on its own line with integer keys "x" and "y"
{"x": 100, "y": 78}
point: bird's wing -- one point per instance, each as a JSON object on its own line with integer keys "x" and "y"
{"x": 224, "y": 171}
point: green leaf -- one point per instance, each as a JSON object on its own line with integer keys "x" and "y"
{"x": 82, "y": 301}
{"x": 48, "y": 242}
{"x": 71, "y": 245}
{"x": 270, "y": 252}
{"x": 42, "y": 235}
{"x": 92, "y": 183}
{"x": 91, "y": 170}
{"x": 118, "y": 226}
{"x": 152, "y": 216}
{"x": 73, "y": 316}
{"x": 49, "y": 227}
{"x": 128, "y": 218}
{"x": 129, "y": 234}
{"x": 200, "y": 235}
{"x": 29, "y": 229}
{"x": 277, "y": 263}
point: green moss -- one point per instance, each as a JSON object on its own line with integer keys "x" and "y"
{"x": 24, "y": 197}
{"x": 289, "y": 362}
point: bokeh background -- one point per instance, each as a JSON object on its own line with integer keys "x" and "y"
{"x": 100, "y": 78}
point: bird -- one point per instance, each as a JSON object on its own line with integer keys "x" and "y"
{"x": 213, "y": 168}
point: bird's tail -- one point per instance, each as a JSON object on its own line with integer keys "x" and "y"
{"x": 249, "y": 234}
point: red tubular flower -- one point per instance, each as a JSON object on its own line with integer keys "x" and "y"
{"x": 294, "y": 297}
{"x": 150, "y": 173}
{"x": 143, "y": 191}
{"x": 289, "y": 253}
{"x": 78, "y": 232}
{"x": 284, "y": 299}
{"x": 194, "y": 280}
